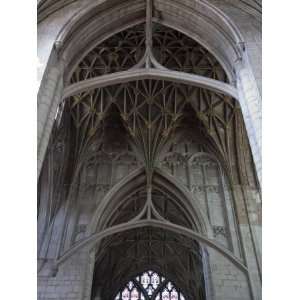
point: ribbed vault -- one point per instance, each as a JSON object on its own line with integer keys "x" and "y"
{"x": 151, "y": 110}
{"x": 48, "y": 7}
{"x": 172, "y": 49}
{"x": 136, "y": 122}
{"x": 205, "y": 24}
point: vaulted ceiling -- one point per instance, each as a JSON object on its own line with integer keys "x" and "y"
{"x": 47, "y": 7}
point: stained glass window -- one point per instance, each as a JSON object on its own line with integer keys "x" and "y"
{"x": 149, "y": 285}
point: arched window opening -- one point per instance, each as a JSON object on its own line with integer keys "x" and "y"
{"x": 149, "y": 285}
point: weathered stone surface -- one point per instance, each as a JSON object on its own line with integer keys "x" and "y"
{"x": 183, "y": 160}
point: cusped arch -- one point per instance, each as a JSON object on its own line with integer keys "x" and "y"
{"x": 136, "y": 181}
{"x": 171, "y": 48}
{"x": 98, "y": 20}
{"x": 209, "y": 149}
{"x": 205, "y": 155}
{"x": 187, "y": 199}
{"x": 114, "y": 193}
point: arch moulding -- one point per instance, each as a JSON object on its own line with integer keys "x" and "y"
{"x": 198, "y": 19}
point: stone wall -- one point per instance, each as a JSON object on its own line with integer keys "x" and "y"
{"x": 66, "y": 283}
{"x": 229, "y": 283}
{"x": 233, "y": 211}
{"x": 224, "y": 207}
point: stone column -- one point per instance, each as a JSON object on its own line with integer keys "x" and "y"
{"x": 69, "y": 281}
{"x": 209, "y": 291}
{"x": 250, "y": 101}
{"x": 48, "y": 99}
{"x": 253, "y": 202}
{"x": 87, "y": 283}
{"x": 248, "y": 246}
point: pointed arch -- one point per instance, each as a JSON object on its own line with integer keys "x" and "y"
{"x": 206, "y": 21}
{"x": 93, "y": 236}
{"x": 137, "y": 180}
{"x": 140, "y": 74}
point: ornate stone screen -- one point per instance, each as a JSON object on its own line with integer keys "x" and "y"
{"x": 149, "y": 285}
{"x": 142, "y": 167}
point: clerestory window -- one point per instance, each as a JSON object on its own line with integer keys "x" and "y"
{"x": 149, "y": 286}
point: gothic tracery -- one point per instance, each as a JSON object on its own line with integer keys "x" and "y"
{"x": 183, "y": 142}
{"x": 149, "y": 285}
{"x": 172, "y": 49}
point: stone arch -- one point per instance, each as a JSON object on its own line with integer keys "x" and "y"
{"x": 200, "y": 41}
{"x": 163, "y": 281}
{"x": 208, "y": 149}
{"x": 211, "y": 157}
{"x": 211, "y": 28}
{"x": 235, "y": 263}
{"x": 193, "y": 22}
{"x": 93, "y": 240}
{"x": 93, "y": 237}
{"x": 132, "y": 75}
{"x": 135, "y": 181}
{"x": 201, "y": 21}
